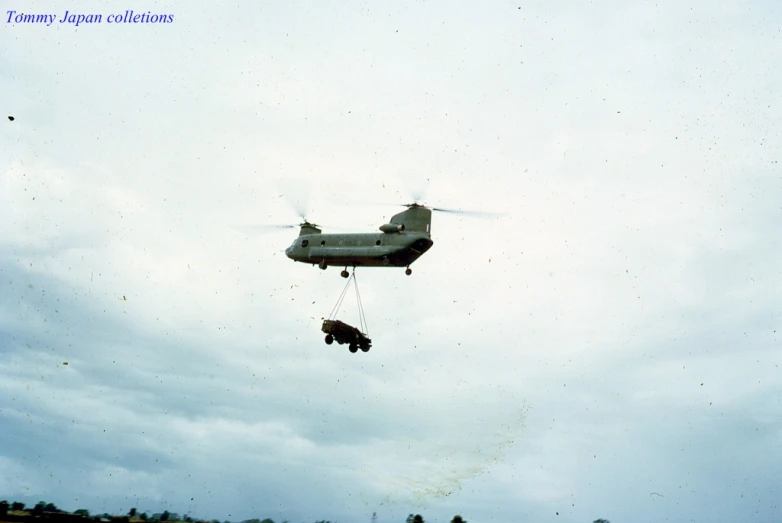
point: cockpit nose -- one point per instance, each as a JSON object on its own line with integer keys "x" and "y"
{"x": 288, "y": 252}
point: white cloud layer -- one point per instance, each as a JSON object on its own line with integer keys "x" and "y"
{"x": 610, "y": 348}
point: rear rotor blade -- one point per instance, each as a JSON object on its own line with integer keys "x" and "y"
{"x": 418, "y": 193}
{"x": 469, "y": 213}
{"x": 416, "y": 203}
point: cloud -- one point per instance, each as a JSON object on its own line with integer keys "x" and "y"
{"x": 612, "y": 337}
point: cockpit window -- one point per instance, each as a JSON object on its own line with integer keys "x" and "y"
{"x": 304, "y": 243}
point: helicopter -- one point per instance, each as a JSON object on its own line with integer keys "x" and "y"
{"x": 400, "y": 242}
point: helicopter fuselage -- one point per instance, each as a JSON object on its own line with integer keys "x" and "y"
{"x": 404, "y": 239}
{"x": 395, "y": 249}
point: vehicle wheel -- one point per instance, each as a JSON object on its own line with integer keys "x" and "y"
{"x": 353, "y": 347}
{"x": 365, "y": 348}
{"x": 345, "y": 274}
{"x": 329, "y": 339}
{"x": 408, "y": 271}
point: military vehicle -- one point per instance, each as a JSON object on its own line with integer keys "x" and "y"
{"x": 343, "y": 333}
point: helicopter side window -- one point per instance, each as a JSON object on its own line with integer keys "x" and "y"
{"x": 305, "y": 243}
{"x": 323, "y": 243}
{"x": 377, "y": 242}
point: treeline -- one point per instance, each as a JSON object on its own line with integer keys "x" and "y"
{"x": 17, "y": 512}
{"x": 16, "y": 509}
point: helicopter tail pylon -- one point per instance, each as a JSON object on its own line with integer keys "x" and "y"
{"x": 416, "y": 218}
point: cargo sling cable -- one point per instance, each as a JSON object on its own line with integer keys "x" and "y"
{"x": 361, "y": 316}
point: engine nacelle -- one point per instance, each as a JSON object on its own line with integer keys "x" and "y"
{"x": 392, "y": 227}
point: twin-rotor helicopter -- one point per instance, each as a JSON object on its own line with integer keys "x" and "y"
{"x": 400, "y": 242}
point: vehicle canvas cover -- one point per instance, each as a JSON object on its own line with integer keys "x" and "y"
{"x": 339, "y": 327}
{"x": 343, "y": 332}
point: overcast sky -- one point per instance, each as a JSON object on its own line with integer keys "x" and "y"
{"x": 610, "y": 348}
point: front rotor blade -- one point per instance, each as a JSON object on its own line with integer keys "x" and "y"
{"x": 296, "y": 194}
{"x": 261, "y": 229}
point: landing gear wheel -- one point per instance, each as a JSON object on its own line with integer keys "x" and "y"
{"x": 364, "y": 348}
{"x": 344, "y": 274}
{"x": 329, "y": 339}
{"x": 408, "y": 271}
{"x": 352, "y": 347}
